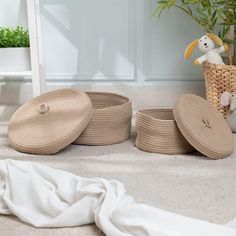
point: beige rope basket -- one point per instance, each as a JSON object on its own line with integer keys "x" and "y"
{"x": 157, "y": 132}
{"x": 111, "y": 120}
{"x": 218, "y": 79}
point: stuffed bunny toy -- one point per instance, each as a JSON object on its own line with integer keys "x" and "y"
{"x": 229, "y": 99}
{"x": 206, "y": 44}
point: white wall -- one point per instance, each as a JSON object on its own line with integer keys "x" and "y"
{"x": 111, "y": 45}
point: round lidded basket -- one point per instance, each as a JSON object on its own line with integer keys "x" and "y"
{"x": 218, "y": 79}
{"x": 157, "y": 132}
{"x": 111, "y": 120}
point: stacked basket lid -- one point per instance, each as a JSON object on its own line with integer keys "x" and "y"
{"x": 52, "y": 121}
{"x": 193, "y": 124}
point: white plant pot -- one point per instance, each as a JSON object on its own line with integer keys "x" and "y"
{"x": 14, "y": 59}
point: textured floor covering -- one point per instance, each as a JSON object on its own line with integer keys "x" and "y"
{"x": 189, "y": 184}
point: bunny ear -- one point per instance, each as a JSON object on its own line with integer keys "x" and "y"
{"x": 224, "y": 100}
{"x": 215, "y": 38}
{"x": 190, "y": 48}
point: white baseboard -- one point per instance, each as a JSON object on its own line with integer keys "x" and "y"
{"x": 148, "y": 95}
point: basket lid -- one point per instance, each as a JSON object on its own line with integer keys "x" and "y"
{"x": 50, "y": 122}
{"x": 203, "y": 126}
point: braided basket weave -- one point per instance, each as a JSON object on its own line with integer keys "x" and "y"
{"x": 158, "y": 132}
{"x": 218, "y": 79}
{"x": 111, "y": 120}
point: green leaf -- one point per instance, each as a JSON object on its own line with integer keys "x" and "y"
{"x": 14, "y": 37}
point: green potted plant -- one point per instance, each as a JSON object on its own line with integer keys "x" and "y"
{"x": 218, "y": 17}
{"x": 14, "y": 49}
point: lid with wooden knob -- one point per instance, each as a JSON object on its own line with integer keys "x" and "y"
{"x": 50, "y": 122}
{"x": 203, "y": 126}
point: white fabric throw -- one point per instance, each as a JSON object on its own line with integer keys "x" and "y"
{"x": 46, "y": 197}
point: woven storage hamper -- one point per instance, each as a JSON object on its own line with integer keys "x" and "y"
{"x": 111, "y": 120}
{"x": 157, "y": 132}
{"x": 218, "y": 79}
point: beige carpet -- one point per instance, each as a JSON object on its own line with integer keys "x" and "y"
{"x": 190, "y": 184}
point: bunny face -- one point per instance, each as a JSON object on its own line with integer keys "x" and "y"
{"x": 205, "y": 44}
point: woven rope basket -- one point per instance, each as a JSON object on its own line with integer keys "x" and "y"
{"x": 218, "y": 79}
{"x": 158, "y": 132}
{"x": 111, "y": 120}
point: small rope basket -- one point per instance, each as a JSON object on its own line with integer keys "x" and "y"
{"x": 158, "y": 132}
{"x": 111, "y": 120}
{"x": 218, "y": 79}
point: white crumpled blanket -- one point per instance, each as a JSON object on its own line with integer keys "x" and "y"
{"x": 46, "y": 197}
